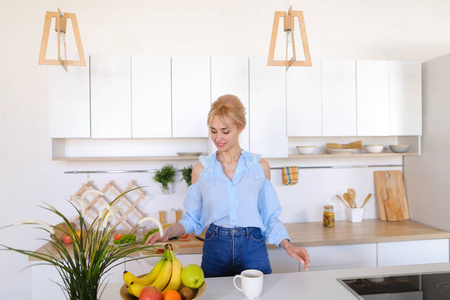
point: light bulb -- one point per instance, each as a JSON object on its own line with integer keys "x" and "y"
{"x": 62, "y": 37}
{"x": 289, "y": 36}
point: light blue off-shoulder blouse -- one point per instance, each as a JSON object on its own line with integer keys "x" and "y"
{"x": 249, "y": 200}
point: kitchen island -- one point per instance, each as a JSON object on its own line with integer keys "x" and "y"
{"x": 318, "y": 285}
{"x": 350, "y": 246}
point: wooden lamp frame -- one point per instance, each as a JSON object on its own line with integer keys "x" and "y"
{"x": 61, "y": 21}
{"x": 289, "y": 19}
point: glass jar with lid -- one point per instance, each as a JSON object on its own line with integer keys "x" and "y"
{"x": 328, "y": 216}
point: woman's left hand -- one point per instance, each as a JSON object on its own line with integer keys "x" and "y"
{"x": 299, "y": 253}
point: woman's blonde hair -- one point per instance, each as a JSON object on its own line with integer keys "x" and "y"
{"x": 228, "y": 107}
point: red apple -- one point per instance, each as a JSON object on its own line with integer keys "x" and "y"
{"x": 150, "y": 293}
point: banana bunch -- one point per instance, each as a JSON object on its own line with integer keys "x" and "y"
{"x": 165, "y": 275}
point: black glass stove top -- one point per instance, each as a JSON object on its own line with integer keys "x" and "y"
{"x": 423, "y": 286}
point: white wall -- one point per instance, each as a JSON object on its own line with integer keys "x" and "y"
{"x": 427, "y": 177}
{"x": 400, "y": 29}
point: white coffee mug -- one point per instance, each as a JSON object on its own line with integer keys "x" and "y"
{"x": 252, "y": 283}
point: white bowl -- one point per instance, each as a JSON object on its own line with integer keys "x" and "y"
{"x": 374, "y": 148}
{"x": 399, "y": 148}
{"x": 306, "y": 149}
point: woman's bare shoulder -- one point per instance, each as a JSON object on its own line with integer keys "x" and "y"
{"x": 196, "y": 171}
{"x": 266, "y": 167}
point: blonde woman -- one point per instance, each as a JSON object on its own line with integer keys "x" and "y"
{"x": 231, "y": 193}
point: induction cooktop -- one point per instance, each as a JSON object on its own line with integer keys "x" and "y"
{"x": 419, "y": 286}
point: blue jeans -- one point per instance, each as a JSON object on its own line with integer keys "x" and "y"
{"x": 229, "y": 251}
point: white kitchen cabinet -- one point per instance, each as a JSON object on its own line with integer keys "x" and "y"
{"x": 229, "y": 75}
{"x": 338, "y": 97}
{"x": 413, "y": 252}
{"x": 191, "y": 95}
{"x": 69, "y": 107}
{"x": 151, "y": 96}
{"x": 405, "y": 98}
{"x": 267, "y": 109}
{"x": 372, "y": 94}
{"x": 342, "y": 257}
{"x": 111, "y": 96}
{"x": 304, "y": 100}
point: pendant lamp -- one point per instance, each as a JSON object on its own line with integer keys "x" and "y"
{"x": 289, "y": 18}
{"x": 60, "y": 28}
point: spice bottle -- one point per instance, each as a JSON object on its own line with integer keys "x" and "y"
{"x": 328, "y": 216}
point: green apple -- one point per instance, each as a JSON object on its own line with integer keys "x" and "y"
{"x": 192, "y": 276}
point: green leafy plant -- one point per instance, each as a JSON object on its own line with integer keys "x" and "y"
{"x": 94, "y": 254}
{"x": 126, "y": 239}
{"x": 187, "y": 174}
{"x": 165, "y": 175}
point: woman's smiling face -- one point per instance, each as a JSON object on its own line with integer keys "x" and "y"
{"x": 224, "y": 135}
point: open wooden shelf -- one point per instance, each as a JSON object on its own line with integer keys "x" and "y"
{"x": 172, "y": 158}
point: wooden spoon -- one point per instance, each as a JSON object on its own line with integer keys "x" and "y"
{"x": 366, "y": 200}
{"x": 348, "y": 199}
{"x": 345, "y": 203}
{"x": 352, "y": 194}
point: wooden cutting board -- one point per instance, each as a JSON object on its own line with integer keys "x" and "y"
{"x": 392, "y": 207}
{"x": 189, "y": 242}
{"x": 393, "y": 180}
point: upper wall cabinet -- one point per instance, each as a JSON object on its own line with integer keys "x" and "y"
{"x": 191, "y": 95}
{"x": 304, "y": 100}
{"x": 372, "y": 94}
{"x": 68, "y": 94}
{"x": 267, "y": 109}
{"x": 229, "y": 75}
{"x": 151, "y": 96}
{"x": 338, "y": 97}
{"x": 111, "y": 96}
{"x": 405, "y": 98}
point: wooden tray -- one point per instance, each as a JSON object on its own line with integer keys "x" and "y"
{"x": 125, "y": 296}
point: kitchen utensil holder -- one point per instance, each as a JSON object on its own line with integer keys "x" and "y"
{"x": 355, "y": 215}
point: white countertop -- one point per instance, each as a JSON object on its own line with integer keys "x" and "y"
{"x": 302, "y": 285}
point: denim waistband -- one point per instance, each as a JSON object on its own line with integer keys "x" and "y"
{"x": 236, "y": 231}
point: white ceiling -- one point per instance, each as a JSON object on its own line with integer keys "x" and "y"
{"x": 361, "y": 29}
{"x": 384, "y": 29}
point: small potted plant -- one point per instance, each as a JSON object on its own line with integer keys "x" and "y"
{"x": 187, "y": 174}
{"x": 166, "y": 176}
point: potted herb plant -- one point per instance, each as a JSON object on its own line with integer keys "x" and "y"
{"x": 166, "y": 176}
{"x": 83, "y": 266}
{"x": 187, "y": 174}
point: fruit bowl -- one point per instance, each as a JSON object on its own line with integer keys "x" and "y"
{"x": 61, "y": 229}
{"x": 126, "y": 296}
{"x": 153, "y": 256}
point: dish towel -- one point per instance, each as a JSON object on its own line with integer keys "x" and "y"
{"x": 290, "y": 175}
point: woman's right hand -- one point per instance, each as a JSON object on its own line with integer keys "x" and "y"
{"x": 168, "y": 232}
{"x": 156, "y": 237}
